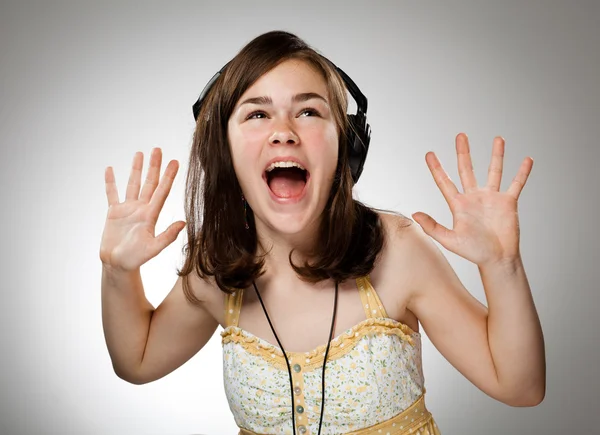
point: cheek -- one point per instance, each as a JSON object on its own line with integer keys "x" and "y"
{"x": 247, "y": 143}
{"x": 245, "y": 149}
{"x": 326, "y": 144}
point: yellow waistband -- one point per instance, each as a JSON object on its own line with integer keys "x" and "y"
{"x": 416, "y": 419}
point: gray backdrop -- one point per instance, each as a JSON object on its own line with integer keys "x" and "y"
{"x": 85, "y": 85}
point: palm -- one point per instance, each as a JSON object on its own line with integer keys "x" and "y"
{"x": 129, "y": 224}
{"x": 485, "y": 221}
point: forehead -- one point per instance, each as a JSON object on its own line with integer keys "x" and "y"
{"x": 289, "y": 77}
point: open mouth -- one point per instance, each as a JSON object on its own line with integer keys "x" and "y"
{"x": 286, "y": 179}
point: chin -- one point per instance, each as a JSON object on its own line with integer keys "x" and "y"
{"x": 289, "y": 224}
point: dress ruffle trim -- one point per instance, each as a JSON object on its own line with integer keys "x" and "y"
{"x": 340, "y": 346}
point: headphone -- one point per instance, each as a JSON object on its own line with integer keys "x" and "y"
{"x": 358, "y": 133}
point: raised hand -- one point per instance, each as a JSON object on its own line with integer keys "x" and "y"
{"x": 485, "y": 220}
{"x": 128, "y": 239}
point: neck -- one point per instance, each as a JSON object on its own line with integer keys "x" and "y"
{"x": 278, "y": 246}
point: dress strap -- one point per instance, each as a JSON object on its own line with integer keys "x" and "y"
{"x": 233, "y": 305}
{"x": 370, "y": 300}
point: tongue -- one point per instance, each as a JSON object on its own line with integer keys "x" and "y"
{"x": 287, "y": 184}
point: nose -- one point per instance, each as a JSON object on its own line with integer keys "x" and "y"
{"x": 283, "y": 134}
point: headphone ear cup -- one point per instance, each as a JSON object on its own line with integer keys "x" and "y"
{"x": 359, "y": 136}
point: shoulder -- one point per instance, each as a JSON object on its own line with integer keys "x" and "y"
{"x": 399, "y": 236}
{"x": 394, "y": 224}
{"x": 205, "y": 293}
{"x": 408, "y": 260}
{"x": 412, "y": 263}
{"x": 391, "y": 275}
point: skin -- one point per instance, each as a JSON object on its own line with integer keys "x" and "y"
{"x": 259, "y": 132}
{"x": 499, "y": 348}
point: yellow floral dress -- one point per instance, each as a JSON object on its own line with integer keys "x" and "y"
{"x": 374, "y": 380}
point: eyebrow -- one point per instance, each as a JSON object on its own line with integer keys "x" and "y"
{"x": 298, "y": 98}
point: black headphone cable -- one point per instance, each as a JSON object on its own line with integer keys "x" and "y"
{"x": 288, "y": 363}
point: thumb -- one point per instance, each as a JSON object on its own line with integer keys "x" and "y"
{"x": 431, "y": 227}
{"x": 169, "y": 235}
{"x": 424, "y": 220}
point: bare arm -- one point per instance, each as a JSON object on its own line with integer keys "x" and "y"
{"x": 126, "y": 315}
{"x": 146, "y": 344}
{"x": 515, "y": 335}
{"x": 178, "y": 330}
{"x": 501, "y": 353}
{"x": 500, "y": 349}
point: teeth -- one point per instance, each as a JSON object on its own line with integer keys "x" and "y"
{"x": 284, "y": 165}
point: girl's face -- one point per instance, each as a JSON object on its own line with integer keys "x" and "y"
{"x": 284, "y": 145}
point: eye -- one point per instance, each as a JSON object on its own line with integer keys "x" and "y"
{"x": 310, "y": 110}
{"x": 253, "y": 114}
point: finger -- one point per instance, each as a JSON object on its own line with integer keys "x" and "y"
{"x": 158, "y": 199}
{"x": 520, "y": 179}
{"x": 167, "y": 237}
{"x": 153, "y": 175}
{"x": 133, "y": 185}
{"x": 112, "y": 194}
{"x": 443, "y": 181}
{"x": 433, "y": 229}
{"x": 465, "y": 165}
{"x": 496, "y": 164}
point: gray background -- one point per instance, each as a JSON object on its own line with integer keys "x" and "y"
{"x": 85, "y": 85}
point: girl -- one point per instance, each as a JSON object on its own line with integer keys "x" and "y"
{"x": 320, "y": 297}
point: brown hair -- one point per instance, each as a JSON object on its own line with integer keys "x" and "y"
{"x": 219, "y": 245}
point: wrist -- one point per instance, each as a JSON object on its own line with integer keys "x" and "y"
{"x": 506, "y": 266}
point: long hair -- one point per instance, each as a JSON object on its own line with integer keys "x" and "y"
{"x": 350, "y": 234}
